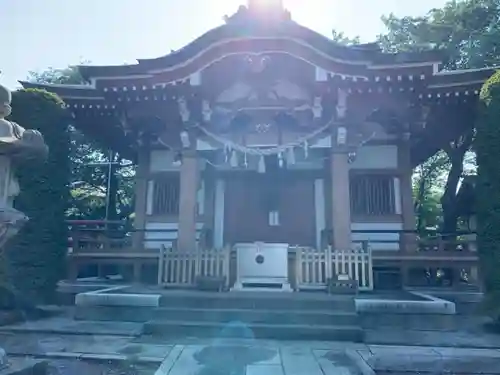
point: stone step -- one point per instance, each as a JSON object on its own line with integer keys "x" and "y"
{"x": 144, "y": 314}
{"x": 261, "y": 301}
{"x": 138, "y": 314}
{"x": 422, "y": 322}
{"x": 173, "y": 329}
{"x": 258, "y": 316}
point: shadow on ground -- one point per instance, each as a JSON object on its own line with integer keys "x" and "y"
{"x": 230, "y": 360}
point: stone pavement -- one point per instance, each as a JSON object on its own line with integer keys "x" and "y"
{"x": 460, "y": 339}
{"x": 333, "y": 359}
{"x": 429, "y": 360}
{"x": 252, "y": 357}
{"x": 239, "y": 359}
{"x": 72, "y": 344}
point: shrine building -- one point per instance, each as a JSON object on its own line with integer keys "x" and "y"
{"x": 264, "y": 142}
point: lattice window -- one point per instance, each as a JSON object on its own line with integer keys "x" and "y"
{"x": 372, "y": 195}
{"x": 166, "y": 195}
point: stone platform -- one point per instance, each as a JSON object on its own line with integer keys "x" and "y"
{"x": 175, "y": 313}
{"x": 270, "y": 314}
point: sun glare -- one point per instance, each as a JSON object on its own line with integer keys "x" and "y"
{"x": 264, "y": 3}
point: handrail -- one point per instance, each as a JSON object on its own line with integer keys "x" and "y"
{"x": 100, "y": 236}
{"x": 103, "y": 236}
{"x": 85, "y": 222}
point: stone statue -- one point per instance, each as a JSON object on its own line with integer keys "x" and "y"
{"x": 14, "y": 139}
{"x": 16, "y": 143}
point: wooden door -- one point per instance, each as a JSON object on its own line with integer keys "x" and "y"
{"x": 250, "y": 197}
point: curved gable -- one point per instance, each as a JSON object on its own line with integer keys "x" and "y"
{"x": 247, "y": 32}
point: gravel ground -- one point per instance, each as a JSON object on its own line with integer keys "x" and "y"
{"x": 76, "y": 367}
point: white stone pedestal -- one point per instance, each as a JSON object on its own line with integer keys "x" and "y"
{"x": 262, "y": 266}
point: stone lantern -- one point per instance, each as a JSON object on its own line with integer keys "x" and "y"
{"x": 16, "y": 144}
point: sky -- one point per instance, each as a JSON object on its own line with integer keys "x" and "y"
{"x": 37, "y": 34}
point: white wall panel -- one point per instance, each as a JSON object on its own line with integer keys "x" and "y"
{"x": 376, "y": 157}
{"x": 162, "y": 161}
{"x": 166, "y": 232}
{"x": 389, "y": 237}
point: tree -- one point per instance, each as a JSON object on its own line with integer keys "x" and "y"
{"x": 37, "y": 254}
{"x": 340, "y": 38}
{"x": 466, "y": 31}
{"x": 90, "y": 184}
{"x": 427, "y": 183}
{"x": 455, "y": 151}
{"x": 89, "y": 172}
{"x": 69, "y": 75}
{"x": 487, "y": 146}
{"x": 468, "y": 34}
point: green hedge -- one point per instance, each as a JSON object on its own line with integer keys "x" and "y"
{"x": 37, "y": 254}
{"x": 487, "y": 146}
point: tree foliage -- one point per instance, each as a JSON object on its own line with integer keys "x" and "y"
{"x": 72, "y": 184}
{"x": 69, "y": 75}
{"x": 340, "y": 38}
{"x": 37, "y": 254}
{"x": 466, "y": 31}
{"x": 90, "y": 175}
{"x": 90, "y": 166}
{"x": 487, "y": 147}
{"x": 428, "y": 182}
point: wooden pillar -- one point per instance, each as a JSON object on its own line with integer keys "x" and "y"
{"x": 405, "y": 275}
{"x": 408, "y": 240}
{"x": 209, "y": 202}
{"x": 137, "y": 272}
{"x": 141, "y": 190}
{"x": 187, "y": 201}
{"x": 341, "y": 202}
{"x": 475, "y": 277}
{"x": 73, "y": 269}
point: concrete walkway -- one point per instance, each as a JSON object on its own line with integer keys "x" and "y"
{"x": 254, "y": 357}
{"x": 78, "y": 342}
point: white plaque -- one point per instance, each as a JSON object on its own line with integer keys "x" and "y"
{"x": 262, "y": 264}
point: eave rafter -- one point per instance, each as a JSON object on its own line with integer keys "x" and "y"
{"x": 363, "y": 78}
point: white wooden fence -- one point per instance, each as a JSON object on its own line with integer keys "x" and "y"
{"x": 180, "y": 268}
{"x": 314, "y": 267}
